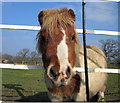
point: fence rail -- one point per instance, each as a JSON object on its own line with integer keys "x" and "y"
{"x": 78, "y": 69}
{"x": 17, "y": 66}
{"x": 21, "y": 27}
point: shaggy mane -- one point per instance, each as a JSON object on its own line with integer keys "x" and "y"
{"x": 53, "y": 17}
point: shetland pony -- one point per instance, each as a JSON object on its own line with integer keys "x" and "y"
{"x": 61, "y": 52}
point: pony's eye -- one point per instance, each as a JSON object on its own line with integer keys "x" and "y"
{"x": 43, "y": 38}
{"x": 73, "y": 37}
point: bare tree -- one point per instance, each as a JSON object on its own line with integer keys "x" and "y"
{"x": 36, "y": 58}
{"x": 111, "y": 50}
{"x": 34, "y": 55}
{"x": 24, "y": 54}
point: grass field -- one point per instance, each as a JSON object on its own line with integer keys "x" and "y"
{"x": 28, "y": 85}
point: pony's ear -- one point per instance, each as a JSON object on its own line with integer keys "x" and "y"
{"x": 71, "y": 12}
{"x": 40, "y": 17}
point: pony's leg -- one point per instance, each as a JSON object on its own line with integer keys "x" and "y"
{"x": 81, "y": 96}
{"x": 101, "y": 94}
{"x": 101, "y": 97}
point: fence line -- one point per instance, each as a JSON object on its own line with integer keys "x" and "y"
{"x": 17, "y": 66}
{"x": 112, "y": 0}
{"x": 78, "y": 69}
{"x": 105, "y": 70}
{"x": 21, "y": 27}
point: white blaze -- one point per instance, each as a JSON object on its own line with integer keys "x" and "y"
{"x": 62, "y": 53}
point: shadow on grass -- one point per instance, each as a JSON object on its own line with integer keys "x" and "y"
{"x": 15, "y": 87}
{"x": 39, "y": 97}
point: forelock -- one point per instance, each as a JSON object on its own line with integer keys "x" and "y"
{"x": 54, "y": 18}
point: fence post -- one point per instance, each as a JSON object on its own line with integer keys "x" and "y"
{"x": 85, "y": 52}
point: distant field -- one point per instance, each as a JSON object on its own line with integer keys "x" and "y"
{"x": 28, "y": 85}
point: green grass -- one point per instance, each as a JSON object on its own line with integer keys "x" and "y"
{"x": 113, "y": 91}
{"x": 21, "y": 84}
{"x": 30, "y": 80}
{"x": 28, "y": 85}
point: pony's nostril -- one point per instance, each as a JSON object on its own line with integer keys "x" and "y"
{"x": 53, "y": 72}
{"x": 68, "y": 72}
{"x": 62, "y": 80}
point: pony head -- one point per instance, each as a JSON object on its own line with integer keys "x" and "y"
{"x": 56, "y": 42}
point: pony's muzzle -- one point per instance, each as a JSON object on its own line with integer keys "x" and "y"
{"x": 64, "y": 76}
{"x": 60, "y": 77}
{"x": 66, "y": 73}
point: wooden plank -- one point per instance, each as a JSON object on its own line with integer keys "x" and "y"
{"x": 21, "y": 27}
{"x": 16, "y": 66}
{"x": 78, "y": 69}
{"x": 112, "y": 0}
{"x": 105, "y": 70}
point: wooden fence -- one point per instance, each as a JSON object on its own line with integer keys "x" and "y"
{"x": 98, "y": 32}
